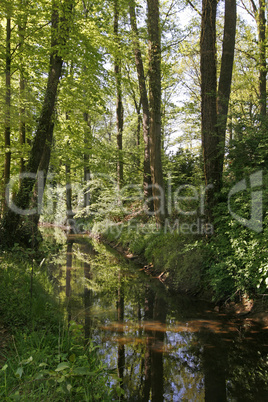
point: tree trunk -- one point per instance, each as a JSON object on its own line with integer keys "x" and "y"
{"x": 210, "y": 139}
{"x": 15, "y": 216}
{"x": 119, "y": 103}
{"x": 7, "y": 114}
{"x": 87, "y": 140}
{"x": 155, "y": 110}
{"x": 263, "y": 67}
{"x": 147, "y": 182}
{"x": 22, "y": 110}
{"x": 225, "y": 80}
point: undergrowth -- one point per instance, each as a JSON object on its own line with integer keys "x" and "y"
{"x": 179, "y": 257}
{"x": 46, "y": 359}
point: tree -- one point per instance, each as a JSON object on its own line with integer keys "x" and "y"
{"x": 213, "y": 118}
{"x": 7, "y": 110}
{"x": 155, "y": 109}
{"x": 13, "y": 224}
{"x": 259, "y": 14}
{"x": 224, "y": 89}
{"x": 147, "y": 182}
{"x": 119, "y": 103}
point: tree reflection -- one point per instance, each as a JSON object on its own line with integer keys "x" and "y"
{"x": 120, "y": 318}
{"x": 164, "y": 348}
{"x": 69, "y": 262}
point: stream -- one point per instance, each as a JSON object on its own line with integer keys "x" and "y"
{"x": 164, "y": 347}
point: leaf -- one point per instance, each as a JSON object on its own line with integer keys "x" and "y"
{"x": 82, "y": 371}
{"x": 62, "y": 366}
{"x": 72, "y": 358}
{"x": 42, "y": 365}
{"x": 27, "y": 361}
{"x": 69, "y": 387}
{"x": 4, "y": 367}
{"x": 19, "y": 372}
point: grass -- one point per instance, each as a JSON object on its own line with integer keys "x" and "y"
{"x": 46, "y": 360}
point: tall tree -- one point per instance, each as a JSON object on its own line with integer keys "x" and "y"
{"x": 155, "y": 109}
{"x": 22, "y": 81}
{"x": 12, "y": 225}
{"x": 262, "y": 60}
{"x": 119, "y": 103}
{"x": 213, "y": 116}
{"x": 147, "y": 182}
{"x": 224, "y": 89}
{"x": 7, "y": 161}
{"x": 208, "y": 97}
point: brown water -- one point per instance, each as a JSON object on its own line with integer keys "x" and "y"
{"x": 164, "y": 348}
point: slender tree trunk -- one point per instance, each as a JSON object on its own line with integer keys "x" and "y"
{"x": 147, "y": 182}
{"x": 225, "y": 80}
{"x": 210, "y": 139}
{"x": 119, "y": 103}
{"x": 14, "y": 216}
{"x": 22, "y": 128}
{"x": 263, "y": 66}
{"x": 7, "y": 161}
{"x": 22, "y": 109}
{"x": 87, "y": 140}
{"x": 155, "y": 110}
{"x": 68, "y": 192}
{"x": 69, "y": 209}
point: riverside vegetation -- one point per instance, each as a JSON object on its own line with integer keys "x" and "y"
{"x": 109, "y": 107}
{"x": 44, "y": 357}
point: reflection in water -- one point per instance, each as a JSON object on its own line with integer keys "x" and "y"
{"x": 87, "y": 293}
{"x": 120, "y": 318}
{"x": 214, "y": 369}
{"x": 69, "y": 261}
{"x": 165, "y": 348}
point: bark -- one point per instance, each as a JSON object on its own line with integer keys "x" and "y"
{"x": 155, "y": 110}
{"x": 36, "y": 202}
{"x": 147, "y": 182}
{"x": 69, "y": 209}
{"x": 22, "y": 109}
{"x": 210, "y": 139}
{"x": 7, "y": 160}
{"x": 68, "y": 192}
{"x": 119, "y": 103}
{"x": 22, "y": 128}
{"x": 263, "y": 66}
{"x": 225, "y": 80}
{"x": 13, "y": 219}
{"x": 87, "y": 140}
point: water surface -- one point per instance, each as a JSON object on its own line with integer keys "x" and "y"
{"x": 164, "y": 347}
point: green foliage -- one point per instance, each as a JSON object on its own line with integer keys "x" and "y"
{"x": 180, "y": 258}
{"x": 235, "y": 259}
{"x": 46, "y": 360}
{"x": 46, "y": 365}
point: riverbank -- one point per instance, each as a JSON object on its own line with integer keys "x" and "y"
{"x": 42, "y": 356}
{"x": 184, "y": 265}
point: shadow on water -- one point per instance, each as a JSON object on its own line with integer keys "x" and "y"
{"x": 164, "y": 348}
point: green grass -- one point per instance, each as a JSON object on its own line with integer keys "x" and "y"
{"x": 45, "y": 360}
